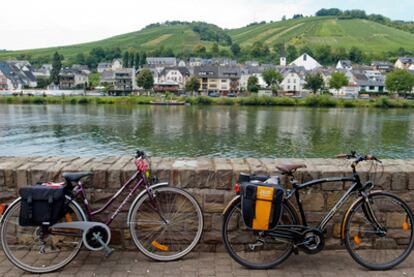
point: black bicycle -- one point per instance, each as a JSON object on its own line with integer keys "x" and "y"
{"x": 377, "y": 229}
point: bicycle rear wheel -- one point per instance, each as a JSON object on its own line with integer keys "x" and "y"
{"x": 385, "y": 247}
{"x": 254, "y": 249}
{"x": 167, "y": 227}
{"x": 35, "y": 250}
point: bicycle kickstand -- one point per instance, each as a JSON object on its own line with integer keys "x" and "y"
{"x": 108, "y": 251}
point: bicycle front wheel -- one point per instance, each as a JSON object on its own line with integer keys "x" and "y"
{"x": 381, "y": 245}
{"x": 34, "y": 249}
{"x": 166, "y": 224}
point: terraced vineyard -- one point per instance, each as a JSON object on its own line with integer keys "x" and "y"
{"x": 370, "y": 36}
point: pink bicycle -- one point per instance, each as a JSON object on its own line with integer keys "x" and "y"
{"x": 165, "y": 224}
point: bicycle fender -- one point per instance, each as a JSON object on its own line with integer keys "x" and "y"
{"x": 142, "y": 193}
{"x": 231, "y": 203}
{"x": 359, "y": 199}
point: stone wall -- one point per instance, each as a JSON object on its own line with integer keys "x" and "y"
{"x": 210, "y": 180}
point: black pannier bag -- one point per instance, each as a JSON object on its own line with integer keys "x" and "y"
{"x": 261, "y": 204}
{"x": 41, "y": 205}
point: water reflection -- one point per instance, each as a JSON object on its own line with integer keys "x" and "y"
{"x": 203, "y": 131}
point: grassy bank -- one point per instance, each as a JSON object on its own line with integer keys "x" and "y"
{"x": 310, "y": 101}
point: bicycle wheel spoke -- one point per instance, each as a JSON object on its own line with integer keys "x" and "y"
{"x": 176, "y": 235}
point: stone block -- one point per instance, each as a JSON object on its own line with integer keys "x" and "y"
{"x": 223, "y": 175}
{"x": 313, "y": 202}
{"x": 256, "y": 166}
{"x": 239, "y": 166}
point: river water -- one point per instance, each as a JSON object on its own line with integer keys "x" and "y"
{"x": 193, "y": 131}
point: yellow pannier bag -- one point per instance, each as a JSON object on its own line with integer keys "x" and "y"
{"x": 261, "y": 205}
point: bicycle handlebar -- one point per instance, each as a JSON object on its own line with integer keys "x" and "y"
{"x": 358, "y": 157}
{"x": 140, "y": 154}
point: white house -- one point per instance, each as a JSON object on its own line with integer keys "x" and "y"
{"x": 307, "y": 62}
{"x": 293, "y": 82}
{"x": 404, "y": 62}
{"x": 116, "y": 64}
{"x": 178, "y": 75}
{"x": 344, "y": 65}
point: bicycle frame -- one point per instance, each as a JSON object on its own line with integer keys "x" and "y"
{"x": 356, "y": 186}
{"x": 140, "y": 179}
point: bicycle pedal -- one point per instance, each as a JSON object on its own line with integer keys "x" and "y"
{"x": 108, "y": 252}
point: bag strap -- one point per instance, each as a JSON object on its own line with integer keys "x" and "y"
{"x": 50, "y": 206}
{"x": 30, "y": 206}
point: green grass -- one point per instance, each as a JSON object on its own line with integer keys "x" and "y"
{"x": 370, "y": 36}
{"x": 310, "y": 101}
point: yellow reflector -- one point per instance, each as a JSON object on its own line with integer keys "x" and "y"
{"x": 159, "y": 246}
{"x": 357, "y": 240}
{"x": 147, "y": 173}
{"x": 68, "y": 217}
{"x": 264, "y": 196}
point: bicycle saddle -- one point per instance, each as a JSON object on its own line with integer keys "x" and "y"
{"x": 289, "y": 168}
{"x": 75, "y": 176}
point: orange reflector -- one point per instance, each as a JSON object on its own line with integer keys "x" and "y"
{"x": 357, "y": 240}
{"x": 3, "y": 208}
{"x": 68, "y": 217}
{"x": 159, "y": 246}
{"x": 405, "y": 225}
{"x": 237, "y": 188}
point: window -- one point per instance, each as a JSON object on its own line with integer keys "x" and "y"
{"x": 304, "y": 57}
{"x": 288, "y": 87}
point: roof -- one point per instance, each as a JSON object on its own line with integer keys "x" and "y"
{"x": 345, "y": 63}
{"x": 161, "y": 60}
{"x": 362, "y": 80}
{"x": 183, "y": 70}
{"x": 406, "y": 59}
{"x": 381, "y": 63}
{"x": 213, "y": 71}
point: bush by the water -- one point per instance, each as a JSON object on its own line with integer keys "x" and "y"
{"x": 310, "y": 101}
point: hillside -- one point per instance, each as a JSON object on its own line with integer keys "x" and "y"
{"x": 369, "y": 36}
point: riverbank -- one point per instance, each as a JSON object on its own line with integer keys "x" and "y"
{"x": 310, "y": 101}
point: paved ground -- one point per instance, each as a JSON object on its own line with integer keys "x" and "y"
{"x": 327, "y": 263}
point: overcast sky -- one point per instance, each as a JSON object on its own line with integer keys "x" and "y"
{"x": 28, "y": 24}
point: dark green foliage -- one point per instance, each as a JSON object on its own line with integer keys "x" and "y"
{"x": 235, "y": 49}
{"x": 272, "y": 77}
{"x": 400, "y": 81}
{"x": 314, "y": 82}
{"x": 253, "y": 84}
{"x": 192, "y": 85}
{"x": 57, "y": 66}
{"x": 291, "y": 53}
{"x": 338, "y": 80}
{"x": 356, "y": 55}
{"x": 125, "y": 59}
{"x": 211, "y": 32}
{"x": 145, "y": 79}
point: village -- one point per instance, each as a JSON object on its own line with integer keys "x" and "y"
{"x": 216, "y": 77}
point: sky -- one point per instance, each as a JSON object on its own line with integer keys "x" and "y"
{"x": 27, "y": 24}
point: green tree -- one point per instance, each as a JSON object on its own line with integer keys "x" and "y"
{"x": 125, "y": 59}
{"x": 80, "y": 58}
{"x": 94, "y": 79}
{"x": 259, "y": 50}
{"x": 399, "y": 81}
{"x": 200, "y": 50}
{"x": 253, "y": 84}
{"x": 291, "y": 53}
{"x": 338, "y": 80}
{"x": 235, "y": 49}
{"x": 137, "y": 61}
{"x": 272, "y": 77}
{"x": 324, "y": 54}
{"x": 42, "y": 83}
{"x": 193, "y": 85}
{"x": 314, "y": 82}
{"x": 143, "y": 59}
{"x": 215, "y": 49}
{"x": 356, "y": 55}
{"x": 145, "y": 79}
{"x": 56, "y": 67}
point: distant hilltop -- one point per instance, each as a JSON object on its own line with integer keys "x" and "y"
{"x": 333, "y": 30}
